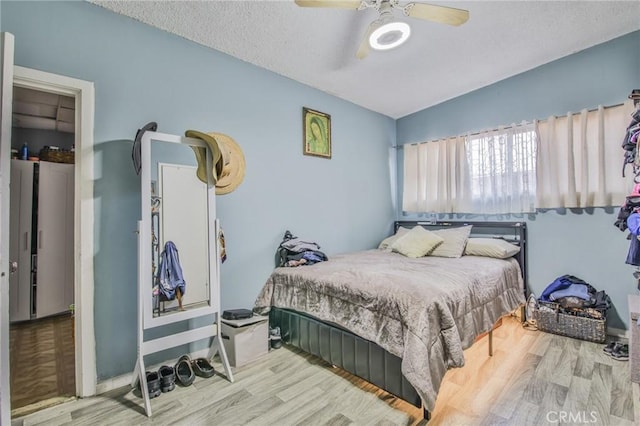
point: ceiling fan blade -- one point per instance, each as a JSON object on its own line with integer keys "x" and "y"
{"x": 342, "y": 4}
{"x": 363, "y": 50}
{"x": 441, "y": 14}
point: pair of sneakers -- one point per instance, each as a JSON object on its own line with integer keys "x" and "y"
{"x": 160, "y": 381}
{"x": 617, "y": 350}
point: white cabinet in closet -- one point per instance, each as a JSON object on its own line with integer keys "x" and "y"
{"x": 20, "y": 225}
{"x": 41, "y": 239}
{"x": 54, "y": 279}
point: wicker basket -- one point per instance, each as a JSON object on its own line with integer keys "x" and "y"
{"x": 57, "y": 156}
{"x": 594, "y": 330}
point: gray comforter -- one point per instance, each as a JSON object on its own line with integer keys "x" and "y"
{"x": 425, "y": 310}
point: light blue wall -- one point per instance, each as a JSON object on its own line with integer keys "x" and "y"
{"x": 582, "y": 243}
{"x": 142, "y": 74}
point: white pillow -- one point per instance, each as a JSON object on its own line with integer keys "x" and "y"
{"x": 455, "y": 239}
{"x": 490, "y": 247}
{"x": 417, "y": 242}
{"x": 386, "y": 243}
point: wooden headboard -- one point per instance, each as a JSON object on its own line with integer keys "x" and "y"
{"x": 514, "y": 232}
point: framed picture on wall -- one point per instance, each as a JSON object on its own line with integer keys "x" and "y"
{"x": 317, "y": 133}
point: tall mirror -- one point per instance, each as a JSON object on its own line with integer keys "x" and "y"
{"x": 180, "y": 252}
{"x": 180, "y": 265}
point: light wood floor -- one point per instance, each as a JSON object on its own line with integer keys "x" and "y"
{"x": 532, "y": 378}
{"x": 42, "y": 360}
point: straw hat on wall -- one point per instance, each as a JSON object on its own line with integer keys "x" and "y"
{"x": 229, "y": 164}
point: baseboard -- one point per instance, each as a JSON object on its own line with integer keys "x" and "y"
{"x": 112, "y": 383}
{"x": 618, "y": 332}
{"x": 107, "y": 385}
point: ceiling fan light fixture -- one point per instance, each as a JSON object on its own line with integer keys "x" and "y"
{"x": 389, "y": 35}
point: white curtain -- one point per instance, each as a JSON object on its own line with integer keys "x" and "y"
{"x": 580, "y": 159}
{"x": 435, "y": 177}
{"x": 502, "y": 168}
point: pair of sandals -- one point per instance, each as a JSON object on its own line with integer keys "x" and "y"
{"x": 617, "y": 350}
{"x": 163, "y": 380}
{"x": 187, "y": 370}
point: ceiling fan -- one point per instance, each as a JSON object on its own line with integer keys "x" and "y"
{"x": 386, "y": 32}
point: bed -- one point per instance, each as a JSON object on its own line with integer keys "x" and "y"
{"x": 398, "y": 322}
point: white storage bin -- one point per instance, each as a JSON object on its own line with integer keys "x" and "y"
{"x": 245, "y": 340}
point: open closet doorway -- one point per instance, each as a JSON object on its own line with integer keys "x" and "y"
{"x": 83, "y": 218}
{"x": 41, "y": 291}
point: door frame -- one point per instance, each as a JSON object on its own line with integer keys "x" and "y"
{"x": 83, "y": 250}
{"x": 6, "y": 90}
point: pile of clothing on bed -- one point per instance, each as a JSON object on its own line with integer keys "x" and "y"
{"x": 294, "y": 251}
{"x": 572, "y": 295}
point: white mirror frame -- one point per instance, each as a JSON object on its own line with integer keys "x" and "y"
{"x": 145, "y": 275}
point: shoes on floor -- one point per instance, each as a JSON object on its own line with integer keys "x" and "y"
{"x": 621, "y": 353}
{"x": 153, "y": 384}
{"x": 202, "y": 367}
{"x": 617, "y": 350}
{"x": 612, "y": 346}
{"x": 167, "y": 378}
{"x": 184, "y": 373}
{"x": 275, "y": 338}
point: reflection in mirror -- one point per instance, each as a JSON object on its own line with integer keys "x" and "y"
{"x": 179, "y": 216}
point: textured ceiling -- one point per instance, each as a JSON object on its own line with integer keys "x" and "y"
{"x": 317, "y": 46}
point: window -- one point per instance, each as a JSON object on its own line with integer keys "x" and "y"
{"x": 571, "y": 161}
{"x": 502, "y": 169}
{"x": 491, "y": 172}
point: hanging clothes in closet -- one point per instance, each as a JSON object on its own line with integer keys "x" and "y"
{"x": 629, "y": 214}
{"x": 631, "y": 141}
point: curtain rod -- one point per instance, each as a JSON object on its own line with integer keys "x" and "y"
{"x": 506, "y": 127}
